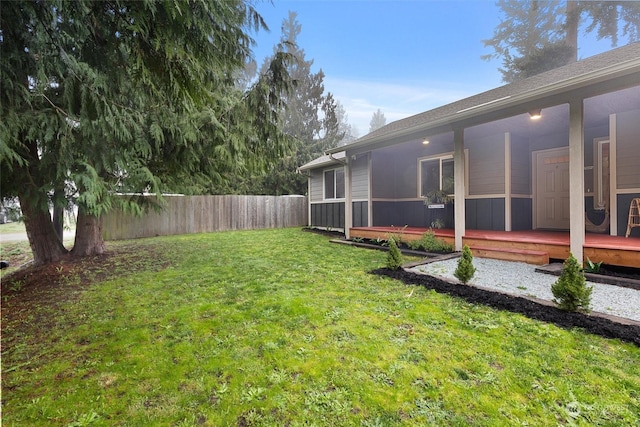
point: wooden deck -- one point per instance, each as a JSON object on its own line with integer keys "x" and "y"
{"x": 535, "y": 247}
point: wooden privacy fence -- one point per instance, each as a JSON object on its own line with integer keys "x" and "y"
{"x": 202, "y": 214}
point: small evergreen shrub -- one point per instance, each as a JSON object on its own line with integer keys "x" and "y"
{"x": 570, "y": 290}
{"x": 394, "y": 257}
{"x": 396, "y": 237}
{"x": 465, "y": 269}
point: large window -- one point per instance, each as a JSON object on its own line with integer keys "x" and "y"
{"x": 436, "y": 174}
{"x": 334, "y": 184}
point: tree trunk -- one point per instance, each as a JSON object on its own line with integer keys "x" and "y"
{"x": 89, "y": 239}
{"x": 571, "y": 24}
{"x": 58, "y": 213}
{"x": 58, "y": 221}
{"x": 44, "y": 242}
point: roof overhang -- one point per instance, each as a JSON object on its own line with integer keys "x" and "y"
{"x": 618, "y": 76}
{"x": 333, "y": 159}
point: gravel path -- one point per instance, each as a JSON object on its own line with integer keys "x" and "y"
{"x": 522, "y": 279}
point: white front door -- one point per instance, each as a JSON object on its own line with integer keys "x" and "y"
{"x": 552, "y": 189}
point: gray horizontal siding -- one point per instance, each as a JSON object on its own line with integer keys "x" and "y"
{"x": 520, "y": 167}
{"x": 360, "y": 178}
{"x": 394, "y": 171}
{"x": 486, "y": 165}
{"x": 317, "y": 182}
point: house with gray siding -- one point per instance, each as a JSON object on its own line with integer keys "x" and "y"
{"x": 556, "y": 151}
{"x": 326, "y": 181}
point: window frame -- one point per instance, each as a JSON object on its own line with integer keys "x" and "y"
{"x": 440, "y": 157}
{"x": 335, "y": 183}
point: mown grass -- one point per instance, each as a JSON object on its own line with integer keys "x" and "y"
{"x": 280, "y": 327}
{"x": 12, "y": 227}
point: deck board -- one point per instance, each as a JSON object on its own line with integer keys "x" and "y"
{"x": 612, "y": 250}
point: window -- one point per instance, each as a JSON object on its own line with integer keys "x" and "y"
{"x": 436, "y": 174}
{"x": 334, "y": 184}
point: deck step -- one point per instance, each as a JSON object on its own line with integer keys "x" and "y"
{"x": 511, "y": 254}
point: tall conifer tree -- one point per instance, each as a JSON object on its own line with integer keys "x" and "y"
{"x": 538, "y": 35}
{"x": 312, "y": 119}
{"x": 100, "y": 98}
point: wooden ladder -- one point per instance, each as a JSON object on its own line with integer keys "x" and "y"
{"x": 634, "y": 215}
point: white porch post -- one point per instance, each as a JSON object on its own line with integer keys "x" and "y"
{"x": 507, "y": 181}
{"x": 576, "y": 178}
{"x": 613, "y": 176}
{"x": 369, "y": 192}
{"x": 348, "y": 204}
{"x": 459, "y": 190}
{"x": 309, "y": 199}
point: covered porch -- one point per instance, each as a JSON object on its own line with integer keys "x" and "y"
{"x": 532, "y": 246}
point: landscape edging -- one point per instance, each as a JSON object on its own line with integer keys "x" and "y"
{"x": 595, "y": 323}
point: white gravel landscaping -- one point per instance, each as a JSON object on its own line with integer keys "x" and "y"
{"x": 521, "y": 279}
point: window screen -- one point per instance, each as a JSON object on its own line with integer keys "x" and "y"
{"x": 339, "y": 183}
{"x": 329, "y": 185}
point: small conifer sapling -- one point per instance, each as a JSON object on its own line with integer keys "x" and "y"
{"x": 570, "y": 290}
{"x": 465, "y": 269}
{"x": 394, "y": 257}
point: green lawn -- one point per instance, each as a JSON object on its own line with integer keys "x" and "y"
{"x": 12, "y": 227}
{"x": 281, "y": 327}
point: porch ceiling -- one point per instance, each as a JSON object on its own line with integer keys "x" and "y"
{"x": 608, "y": 82}
{"x": 554, "y": 119}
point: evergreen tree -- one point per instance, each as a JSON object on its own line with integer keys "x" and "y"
{"x": 536, "y": 36}
{"x": 394, "y": 256}
{"x": 378, "y": 120}
{"x": 610, "y": 19}
{"x": 101, "y": 98}
{"x": 311, "y": 119}
{"x": 344, "y": 127}
{"x": 465, "y": 269}
{"x": 570, "y": 290}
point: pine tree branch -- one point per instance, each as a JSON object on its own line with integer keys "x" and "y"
{"x": 54, "y": 105}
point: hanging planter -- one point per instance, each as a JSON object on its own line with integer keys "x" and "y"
{"x": 437, "y": 199}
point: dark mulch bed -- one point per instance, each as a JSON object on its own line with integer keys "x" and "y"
{"x": 324, "y": 232}
{"x": 591, "y": 324}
